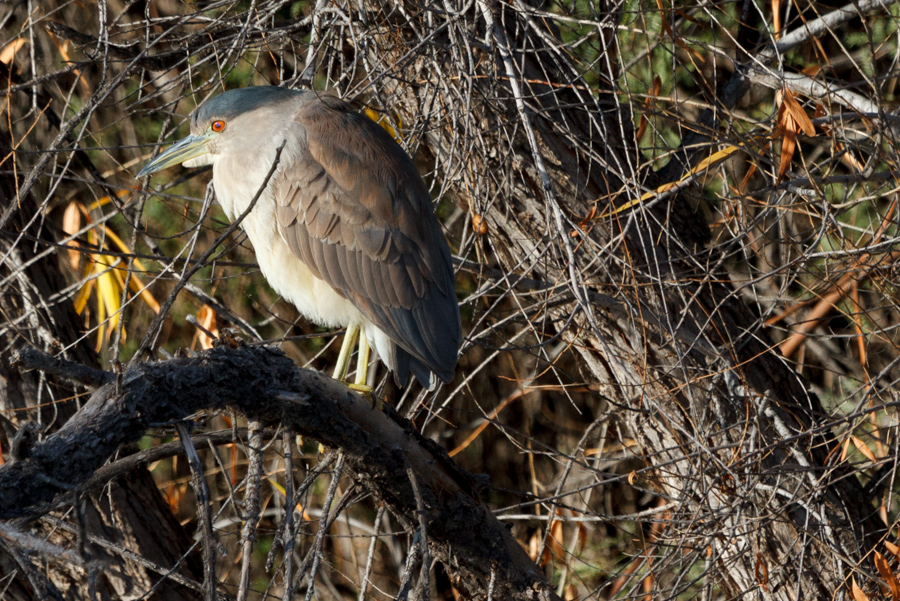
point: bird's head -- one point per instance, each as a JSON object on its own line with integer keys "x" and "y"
{"x": 234, "y": 121}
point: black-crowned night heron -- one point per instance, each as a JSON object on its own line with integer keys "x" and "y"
{"x": 344, "y": 229}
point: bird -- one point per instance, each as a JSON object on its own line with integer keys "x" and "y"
{"x": 344, "y": 227}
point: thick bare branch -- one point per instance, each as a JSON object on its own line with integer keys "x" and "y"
{"x": 267, "y": 386}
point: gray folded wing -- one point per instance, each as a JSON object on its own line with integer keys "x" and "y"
{"x": 353, "y": 207}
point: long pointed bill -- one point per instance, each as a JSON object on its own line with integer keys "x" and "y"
{"x": 186, "y": 149}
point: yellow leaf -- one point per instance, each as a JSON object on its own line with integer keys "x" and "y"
{"x": 104, "y": 200}
{"x": 714, "y": 158}
{"x": 120, "y": 286}
{"x": 108, "y": 291}
{"x": 101, "y": 323}
{"x": 384, "y": 123}
{"x": 136, "y": 284}
{"x": 83, "y": 295}
{"x": 702, "y": 166}
{"x": 280, "y": 489}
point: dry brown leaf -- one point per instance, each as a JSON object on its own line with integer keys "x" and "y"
{"x": 571, "y": 592}
{"x": 63, "y": 48}
{"x": 663, "y": 12}
{"x": 173, "y": 495}
{"x": 788, "y": 145}
{"x": 556, "y": 538}
{"x": 811, "y": 70}
{"x": 534, "y": 547}
{"x": 885, "y": 570}
{"x": 652, "y": 93}
{"x": 776, "y": 18}
{"x": 71, "y": 223}
{"x": 846, "y": 447}
{"x": 479, "y": 225}
{"x": 668, "y": 31}
{"x": 582, "y": 537}
{"x": 632, "y": 476}
{"x": 892, "y": 548}
{"x": 206, "y": 317}
{"x": 533, "y": 544}
{"x": 796, "y": 112}
{"x": 9, "y": 53}
{"x": 863, "y": 448}
{"x": 586, "y": 222}
{"x": 688, "y": 17}
{"x": 857, "y": 592}
{"x": 857, "y": 326}
{"x": 791, "y": 120}
{"x": 762, "y": 572}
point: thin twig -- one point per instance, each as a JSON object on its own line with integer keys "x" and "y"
{"x": 204, "y": 511}
{"x": 251, "y": 505}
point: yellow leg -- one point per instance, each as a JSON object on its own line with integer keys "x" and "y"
{"x": 343, "y": 362}
{"x": 362, "y": 361}
{"x": 360, "y": 384}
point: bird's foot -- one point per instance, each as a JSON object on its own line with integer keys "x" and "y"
{"x": 367, "y": 392}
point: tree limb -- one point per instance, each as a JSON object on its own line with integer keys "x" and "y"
{"x": 267, "y": 386}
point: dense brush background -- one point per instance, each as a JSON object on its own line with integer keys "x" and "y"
{"x": 92, "y": 90}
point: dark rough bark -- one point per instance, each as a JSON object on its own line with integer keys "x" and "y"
{"x": 130, "y": 513}
{"x": 267, "y": 386}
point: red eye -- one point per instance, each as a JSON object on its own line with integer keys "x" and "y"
{"x": 217, "y": 126}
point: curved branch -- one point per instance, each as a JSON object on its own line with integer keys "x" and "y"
{"x": 267, "y": 386}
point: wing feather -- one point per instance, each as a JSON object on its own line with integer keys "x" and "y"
{"x": 353, "y": 207}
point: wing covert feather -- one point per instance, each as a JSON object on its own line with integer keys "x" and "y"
{"x": 353, "y": 207}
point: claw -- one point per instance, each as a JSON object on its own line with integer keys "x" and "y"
{"x": 367, "y": 392}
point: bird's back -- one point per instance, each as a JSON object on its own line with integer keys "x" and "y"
{"x": 352, "y": 206}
